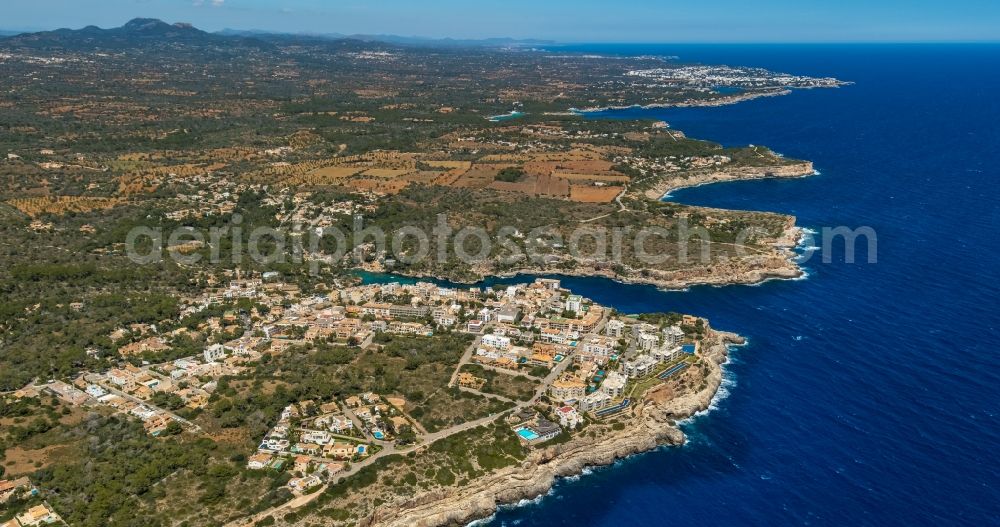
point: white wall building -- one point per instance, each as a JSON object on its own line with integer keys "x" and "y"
{"x": 594, "y": 401}
{"x": 568, "y": 417}
{"x": 614, "y": 384}
{"x": 496, "y": 341}
{"x": 615, "y": 328}
{"x": 640, "y": 366}
{"x": 648, "y": 341}
{"x": 574, "y": 303}
{"x": 214, "y": 353}
{"x": 672, "y": 336}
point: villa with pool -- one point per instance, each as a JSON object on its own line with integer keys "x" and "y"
{"x": 532, "y": 428}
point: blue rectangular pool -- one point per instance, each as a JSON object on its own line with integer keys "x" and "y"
{"x": 527, "y": 434}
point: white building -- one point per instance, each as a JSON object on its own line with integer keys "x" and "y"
{"x": 214, "y": 353}
{"x": 574, "y": 303}
{"x": 508, "y": 315}
{"x": 474, "y": 326}
{"x": 549, "y": 283}
{"x": 489, "y": 353}
{"x": 259, "y": 461}
{"x": 568, "y": 417}
{"x": 319, "y": 437}
{"x": 672, "y": 336}
{"x": 648, "y": 341}
{"x": 275, "y": 445}
{"x": 443, "y": 318}
{"x": 640, "y": 366}
{"x": 496, "y": 341}
{"x": 303, "y": 484}
{"x": 615, "y": 329}
{"x": 594, "y": 401}
{"x": 666, "y": 353}
{"x": 598, "y": 345}
{"x": 552, "y": 335}
{"x": 185, "y": 364}
{"x": 614, "y": 384}
{"x": 336, "y": 423}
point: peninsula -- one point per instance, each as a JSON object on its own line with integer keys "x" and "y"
{"x": 184, "y": 217}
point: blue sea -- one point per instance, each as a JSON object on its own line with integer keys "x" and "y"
{"x": 869, "y": 394}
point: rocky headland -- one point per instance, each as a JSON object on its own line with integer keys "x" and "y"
{"x": 669, "y": 184}
{"x": 653, "y": 424}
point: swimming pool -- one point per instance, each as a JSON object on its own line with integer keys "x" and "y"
{"x": 527, "y": 434}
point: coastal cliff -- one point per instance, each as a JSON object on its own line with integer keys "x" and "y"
{"x": 741, "y": 173}
{"x": 653, "y": 424}
{"x": 720, "y": 100}
{"x": 777, "y": 263}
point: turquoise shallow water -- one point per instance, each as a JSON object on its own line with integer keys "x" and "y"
{"x": 869, "y": 394}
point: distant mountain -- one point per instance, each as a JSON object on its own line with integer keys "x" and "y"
{"x": 151, "y": 27}
{"x": 150, "y": 33}
{"x": 136, "y": 32}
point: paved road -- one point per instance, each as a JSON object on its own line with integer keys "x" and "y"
{"x": 425, "y": 439}
{"x": 276, "y": 512}
{"x": 448, "y": 432}
{"x": 358, "y": 424}
{"x": 466, "y": 357}
{"x": 96, "y": 379}
{"x": 548, "y": 380}
{"x": 355, "y": 467}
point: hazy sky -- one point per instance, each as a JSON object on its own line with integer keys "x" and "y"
{"x": 564, "y": 20}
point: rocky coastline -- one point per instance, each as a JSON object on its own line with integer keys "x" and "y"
{"x": 653, "y": 424}
{"x": 667, "y": 185}
{"x": 778, "y": 264}
{"x": 724, "y": 100}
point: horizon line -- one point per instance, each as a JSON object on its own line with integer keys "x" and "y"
{"x": 548, "y": 41}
